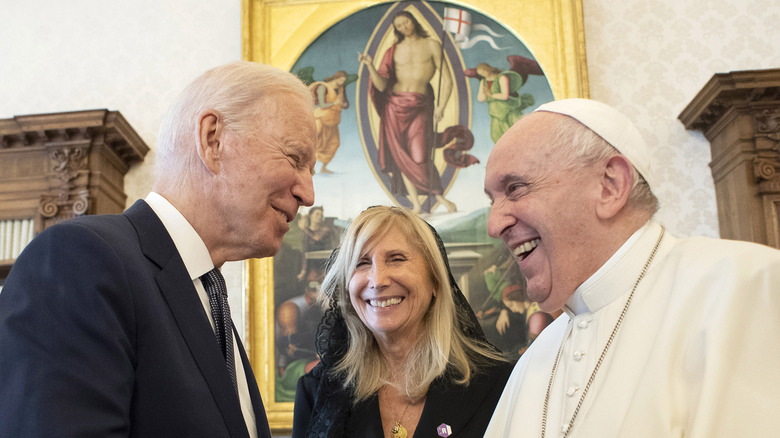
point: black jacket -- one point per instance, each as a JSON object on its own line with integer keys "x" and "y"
{"x": 102, "y": 334}
{"x": 467, "y": 410}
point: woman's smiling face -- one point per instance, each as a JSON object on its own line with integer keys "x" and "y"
{"x": 391, "y": 288}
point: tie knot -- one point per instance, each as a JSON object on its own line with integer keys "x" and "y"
{"x": 214, "y": 282}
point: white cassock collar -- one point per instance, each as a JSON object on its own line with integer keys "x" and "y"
{"x": 616, "y": 277}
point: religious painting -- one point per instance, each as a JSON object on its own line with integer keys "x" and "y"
{"x": 410, "y": 98}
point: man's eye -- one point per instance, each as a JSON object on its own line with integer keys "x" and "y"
{"x": 515, "y": 188}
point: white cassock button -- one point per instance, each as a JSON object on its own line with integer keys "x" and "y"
{"x": 578, "y": 354}
{"x": 572, "y": 390}
{"x": 583, "y": 324}
{"x": 564, "y": 428}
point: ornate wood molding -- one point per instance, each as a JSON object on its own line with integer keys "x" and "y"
{"x": 739, "y": 113}
{"x": 57, "y": 166}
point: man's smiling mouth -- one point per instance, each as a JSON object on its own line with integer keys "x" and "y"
{"x": 287, "y": 216}
{"x": 522, "y": 251}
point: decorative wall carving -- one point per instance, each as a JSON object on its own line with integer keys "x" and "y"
{"x": 739, "y": 113}
{"x": 57, "y": 166}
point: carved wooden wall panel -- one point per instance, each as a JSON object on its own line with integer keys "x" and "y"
{"x": 739, "y": 113}
{"x": 57, "y": 166}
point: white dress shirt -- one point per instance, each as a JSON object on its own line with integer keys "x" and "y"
{"x": 198, "y": 262}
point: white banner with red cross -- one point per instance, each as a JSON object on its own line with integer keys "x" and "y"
{"x": 458, "y": 22}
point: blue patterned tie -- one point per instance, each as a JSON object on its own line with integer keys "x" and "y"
{"x": 214, "y": 284}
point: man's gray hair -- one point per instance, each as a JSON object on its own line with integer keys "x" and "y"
{"x": 235, "y": 90}
{"x": 579, "y": 147}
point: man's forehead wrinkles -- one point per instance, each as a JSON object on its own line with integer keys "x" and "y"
{"x": 511, "y": 177}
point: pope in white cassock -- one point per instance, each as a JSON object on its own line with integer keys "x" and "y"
{"x": 660, "y": 336}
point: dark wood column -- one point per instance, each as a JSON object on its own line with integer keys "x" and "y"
{"x": 739, "y": 113}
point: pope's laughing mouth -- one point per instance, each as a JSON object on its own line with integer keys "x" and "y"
{"x": 522, "y": 251}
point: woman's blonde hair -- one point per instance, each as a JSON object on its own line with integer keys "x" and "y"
{"x": 442, "y": 348}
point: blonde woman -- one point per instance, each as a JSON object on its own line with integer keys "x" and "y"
{"x": 402, "y": 353}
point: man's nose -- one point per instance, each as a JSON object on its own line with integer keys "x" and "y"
{"x": 304, "y": 190}
{"x": 498, "y": 220}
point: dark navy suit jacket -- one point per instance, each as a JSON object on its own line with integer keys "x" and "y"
{"x": 102, "y": 334}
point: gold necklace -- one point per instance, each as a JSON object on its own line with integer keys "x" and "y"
{"x": 567, "y": 428}
{"x": 398, "y": 431}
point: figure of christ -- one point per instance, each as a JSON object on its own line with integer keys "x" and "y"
{"x": 403, "y": 96}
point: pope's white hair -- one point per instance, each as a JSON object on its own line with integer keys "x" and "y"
{"x": 577, "y": 146}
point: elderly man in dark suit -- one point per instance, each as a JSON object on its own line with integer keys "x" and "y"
{"x": 108, "y": 323}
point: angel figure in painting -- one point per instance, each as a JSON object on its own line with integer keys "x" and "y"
{"x": 329, "y": 100}
{"x": 499, "y": 88}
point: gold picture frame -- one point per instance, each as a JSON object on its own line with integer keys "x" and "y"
{"x": 277, "y": 32}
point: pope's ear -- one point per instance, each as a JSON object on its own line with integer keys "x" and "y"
{"x": 208, "y": 139}
{"x": 616, "y": 184}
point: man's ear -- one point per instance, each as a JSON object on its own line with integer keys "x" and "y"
{"x": 208, "y": 139}
{"x": 616, "y": 184}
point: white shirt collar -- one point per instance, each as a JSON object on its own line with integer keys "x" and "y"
{"x": 189, "y": 244}
{"x": 626, "y": 263}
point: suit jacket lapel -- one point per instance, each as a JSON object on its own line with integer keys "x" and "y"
{"x": 453, "y": 406}
{"x": 182, "y": 298}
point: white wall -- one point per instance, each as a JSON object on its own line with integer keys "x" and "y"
{"x": 647, "y": 58}
{"x": 650, "y": 58}
{"x": 129, "y": 56}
